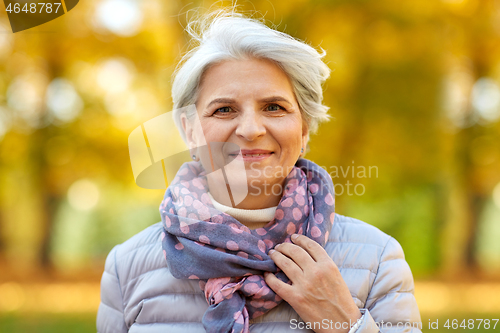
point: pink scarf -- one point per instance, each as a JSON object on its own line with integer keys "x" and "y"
{"x": 229, "y": 259}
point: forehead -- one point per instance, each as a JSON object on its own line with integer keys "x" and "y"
{"x": 248, "y": 77}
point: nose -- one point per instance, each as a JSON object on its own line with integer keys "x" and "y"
{"x": 250, "y": 126}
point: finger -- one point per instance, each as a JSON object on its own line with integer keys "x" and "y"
{"x": 316, "y": 251}
{"x": 287, "y": 265}
{"x": 282, "y": 289}
{"x": 297, "y": 254}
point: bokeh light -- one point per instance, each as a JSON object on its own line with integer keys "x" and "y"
{"x": 83, "y": 195}
{"x": 25, "y": 96}
{"x": 486, "y": 98}
{"x": 6, "y": 39}
{"x": 121, "y": 17}
{"x": 4, "y": 121}
{"x": 63, "y": 100}
{"x": 456, "y": 99}
{"x": 115, "y": 75}
{"x": 496, "y": 195}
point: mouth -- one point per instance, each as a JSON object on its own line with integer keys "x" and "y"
{"x": 251, "y": 155}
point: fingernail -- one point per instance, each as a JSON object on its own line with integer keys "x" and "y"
{"x": 294, "y": 236}
{"x": 271, "y": 251}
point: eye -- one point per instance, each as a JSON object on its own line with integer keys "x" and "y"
{"x": 223, "y": 110}
{"x": 274, "y": 107}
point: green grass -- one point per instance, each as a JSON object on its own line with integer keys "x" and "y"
{"x": 47, "y": 323}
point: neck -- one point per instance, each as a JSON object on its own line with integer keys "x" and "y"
{"x": 257, "y": 198}
{"x": 252, "y": 218}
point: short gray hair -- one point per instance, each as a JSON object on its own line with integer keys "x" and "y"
{"x": 225, "y": 35}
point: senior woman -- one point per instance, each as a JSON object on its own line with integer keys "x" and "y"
{"x": 276, "y": 260}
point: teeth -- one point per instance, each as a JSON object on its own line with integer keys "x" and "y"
{"x": 249, "y": 155}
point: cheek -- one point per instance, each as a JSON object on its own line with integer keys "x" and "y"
{"x": 289, "y": 136}
{"x": 216, "y": 131}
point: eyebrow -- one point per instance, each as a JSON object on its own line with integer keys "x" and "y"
{"x": 271, "y": 99}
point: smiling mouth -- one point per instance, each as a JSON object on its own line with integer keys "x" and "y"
{"x": 251, "y": 155}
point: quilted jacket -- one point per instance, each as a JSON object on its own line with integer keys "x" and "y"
{"x": 139, "y": 295}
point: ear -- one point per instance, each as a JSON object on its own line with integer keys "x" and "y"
{"x": 305, "y": 135}
{"x": 188, "y": 129}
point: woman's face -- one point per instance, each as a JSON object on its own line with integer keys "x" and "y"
{"x": 250, "y": 103}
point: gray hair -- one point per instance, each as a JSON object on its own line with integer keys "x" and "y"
{"x": 225, "y": 35}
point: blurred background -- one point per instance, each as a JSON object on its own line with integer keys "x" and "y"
{"x": 415, "y": 102}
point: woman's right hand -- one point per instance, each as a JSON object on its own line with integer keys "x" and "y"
{"x": 318, "y": 293}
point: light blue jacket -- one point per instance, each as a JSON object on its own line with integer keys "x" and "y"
{"x": 139, "y": 295}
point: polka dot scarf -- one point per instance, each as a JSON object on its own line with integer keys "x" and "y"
{"x": 200, "y": 242}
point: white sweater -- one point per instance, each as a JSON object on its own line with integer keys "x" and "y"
{"x": 248, "y": 217}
